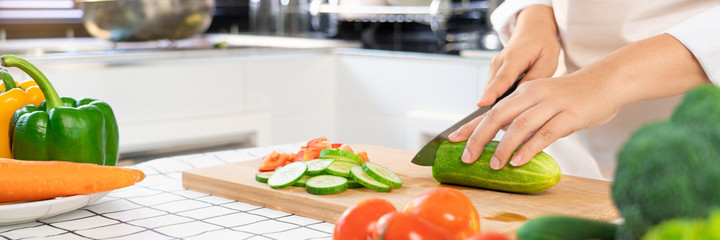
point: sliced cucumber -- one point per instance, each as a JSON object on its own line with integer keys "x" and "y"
{"x": 263, "y": 176}
{"x": 326, "y": 184}
{"x": 382, "y": 174}
{"x": 301, "y": 182}
{"x": 359, "y": 175}
{"x": 341, "y": 155}
{"x": 340, "y": 168}
{"x": 354, "y": 184}
{"x": 317, "y": 166}
{"x": 288, "y": 175}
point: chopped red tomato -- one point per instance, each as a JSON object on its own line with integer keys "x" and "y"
{"x": 272, "y": 161}
{"x": 346, "y": 147}
{"x": 319, "y": 143}
{"x": 307, "y": 154}
{"x": 364, "y": 156}
{"x": 336, "y": 145}
{"x": 291, "y": 157}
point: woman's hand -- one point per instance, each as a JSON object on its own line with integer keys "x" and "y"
{"x": 538, "y": 113}
{"x": 533, "y": 48}
{"x": 544, "y": 110}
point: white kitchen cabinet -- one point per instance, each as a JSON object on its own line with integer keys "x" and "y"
{"x": 176, "y": 99}
{"x": 395, "y": 99}
{"x": 298, "y": 91}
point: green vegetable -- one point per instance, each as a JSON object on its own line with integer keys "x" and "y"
{"x": 382, "y": 174}
{"x": 341, "y": 155}
{"x": 354, "y": 184}
{"x": 326, "y": 184}
{"x": 302, "y": 181}
{"x": 555, "y": 227}
{"x": 263, "y": 176}
{"x": 317, "y": 166}
{"x": 288, "y": 175}
{"x": 360, "y": 176}
{"x": 671, "y": 169}
{"x": 78, "y": 131}
{"x": 538, "y": 175}
{"x": 699, "y": 107}
{"x": 687, "y": 229}
{"x": 340, "y": 168}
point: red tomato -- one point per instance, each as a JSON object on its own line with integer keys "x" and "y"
{"x": 307, "y": 154}
{"x": 364, "y": 156}
{"x": 291, "y": 157}
{"x": 300, "y": 155}
{"x": 354, "y": 222}
{"x": 272, "y": 161}
{"x": 346, "y": 147}
{"x": 311, "y": 153}
{"x": 319, "y": 143}
{"x": 489, "y": 236}
{"x": 336, "y": 145}
{"x": 403, "y": 226}
{"x": 447, "y": 208}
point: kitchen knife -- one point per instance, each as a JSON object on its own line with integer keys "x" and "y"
{"x": 426, "y": 155}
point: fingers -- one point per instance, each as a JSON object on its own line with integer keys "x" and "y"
{"x": 555, "y": 128}
{"x": 500, "y": 81}
{"x": 464, "y": 132}
{"x": 544, "y": 67}
{"x": 518, "y": 132}
{"x": 491, "y": 122}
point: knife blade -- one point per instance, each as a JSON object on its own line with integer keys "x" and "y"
{"x": 426, "y": 155}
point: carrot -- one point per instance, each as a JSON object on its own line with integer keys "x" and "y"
{"x": 36, "y": 180}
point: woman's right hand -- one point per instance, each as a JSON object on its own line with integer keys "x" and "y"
{"x": 533, "y": 48}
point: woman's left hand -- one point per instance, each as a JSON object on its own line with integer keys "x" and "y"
{"x": 536, "y": 114}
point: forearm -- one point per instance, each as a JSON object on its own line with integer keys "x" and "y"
{"x": 656, "y": 67}
{"x": 536, "y": 20}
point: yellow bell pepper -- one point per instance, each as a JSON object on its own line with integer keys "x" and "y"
{"x": 11, "y": 101}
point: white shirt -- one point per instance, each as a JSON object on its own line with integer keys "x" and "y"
{"x": 589, "y": 30}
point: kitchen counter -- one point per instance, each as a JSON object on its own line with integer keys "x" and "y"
{"x": 159, "y": 208}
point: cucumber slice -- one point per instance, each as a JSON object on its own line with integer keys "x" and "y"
{"x": 301, "y": 182}
{"x": 359, "y": 175}
{"x": 326, "y": 184}
{"x": 288, "y": 175}
{"x": 341, "y": 155}
{"x": 383, "y": 175}
{"x": 317, "y": 166}
{"x": 263, "y": 176}
{"x": 354, "y": 184}
{"x": 340, "y": 168}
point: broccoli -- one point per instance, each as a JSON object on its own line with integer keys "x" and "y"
{"x": 671, "y": 169}
{"x": 687, "y": 229}
{"x": 699, "y": 106}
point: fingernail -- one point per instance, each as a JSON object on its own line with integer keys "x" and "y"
{"x": 516, "y": 161}
{"x": 482, "y": 99}
{"x": 495, "y": 163}
{"x": 466, "y": 157}
{"x": 453, "y": 135}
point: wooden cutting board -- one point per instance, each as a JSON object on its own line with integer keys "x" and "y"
{"x": 500, "y": 211}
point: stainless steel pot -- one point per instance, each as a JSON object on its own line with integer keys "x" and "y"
{"x": 144, "y": 20}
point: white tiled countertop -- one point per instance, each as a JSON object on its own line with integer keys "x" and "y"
{"x": 160, "y": 208}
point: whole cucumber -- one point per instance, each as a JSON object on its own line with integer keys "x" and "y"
{"x": 557, "y": 227}
{"x": 540, "y": 174}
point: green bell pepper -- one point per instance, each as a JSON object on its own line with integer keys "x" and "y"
{"x": 61, "y": 128}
